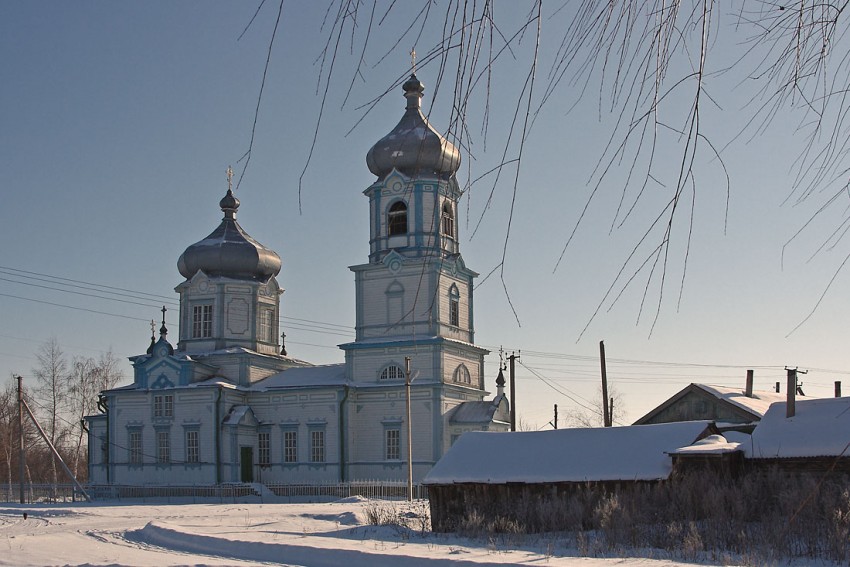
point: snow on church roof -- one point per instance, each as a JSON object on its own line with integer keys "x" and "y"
{"x": 305, "y": 376}
{"x": 637, "y": 452}
{"x": 819, "y": 428}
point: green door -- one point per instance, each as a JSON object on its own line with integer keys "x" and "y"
{"x": 246, "y": 462}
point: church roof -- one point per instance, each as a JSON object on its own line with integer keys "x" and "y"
{"x": 229, "y": 251}
{"x": 307, "y": 376}
{"x": 413, "y": 146}
{"x": 475, "y": 412}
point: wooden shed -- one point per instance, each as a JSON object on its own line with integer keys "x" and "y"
{"x": 514, "y": 476}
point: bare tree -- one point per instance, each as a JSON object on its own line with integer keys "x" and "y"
{"x": 587, "y": 416}
{"x": 88, "y": 377}
{"x": 8, "y": 428}
{"x": 658, "y": 71}
{"x": 51, "y": 391}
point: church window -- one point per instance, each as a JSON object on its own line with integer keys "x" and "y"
{"x": 264, "y": 444}
{"x": 392, "y": 372}
{"x": 317, "y": 446}
{"x": 290, "y": 446}
{"x": 462, "y": 375}
{"x": 135, "y": 447}
{"x": 448, "y": 220}
{"x": 267, "y": 327}
{"x": 454, "y": 307}
{"x": 163, "y": 406}
{"x": 397, "y": 219}
{"x": 202, "y": 321}
{"x": 193, "y": 446}
{"x": 393, "y": 440}
{"x": 163, "y": 447}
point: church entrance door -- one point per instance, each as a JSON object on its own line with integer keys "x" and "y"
{"x": 246, "y": 463}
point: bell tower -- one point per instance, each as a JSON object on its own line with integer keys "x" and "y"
{"x": 415, "y": 286}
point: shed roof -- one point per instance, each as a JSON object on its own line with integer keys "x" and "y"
{"x": 819, "y": 428}
{"x": 637, "y": 452}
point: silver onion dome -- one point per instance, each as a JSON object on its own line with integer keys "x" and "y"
{"x": 229, "y": 251}
{"x": 413, "y": 146}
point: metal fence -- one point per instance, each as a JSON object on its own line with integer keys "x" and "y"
{"x": 377, "y": 490}
{"x": 34, "y": 493}
{"x": 277, "y": 492}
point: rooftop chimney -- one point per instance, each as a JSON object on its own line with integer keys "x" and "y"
{"x": 749, "y": 391}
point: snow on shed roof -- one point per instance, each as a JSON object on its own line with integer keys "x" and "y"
{"x": 711, "y": 445}
{"x": 758, "y": 404}
{"x": 636, "y": 452}
{"x": 819, "y": 428}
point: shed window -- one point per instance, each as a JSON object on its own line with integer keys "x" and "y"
{"x": 397, "y": 219}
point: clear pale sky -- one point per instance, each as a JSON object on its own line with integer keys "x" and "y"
{"x": 118, "y": 121}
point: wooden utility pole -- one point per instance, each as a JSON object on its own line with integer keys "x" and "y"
{"x": 790, "y": 392}
{"x": 513, "y": 358}
{"x": 606, "y": 412}
{"x": 838, "y": 388}
{"x": 22, "y": 454}
{"x": 555, "y": 423}
{"x": 409, "y": 432}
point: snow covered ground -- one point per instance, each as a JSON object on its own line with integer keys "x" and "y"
{"x": 315, "y": 535}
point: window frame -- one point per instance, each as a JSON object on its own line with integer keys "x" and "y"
{"x": 397, "y": 224}
{"x": 392, "y": 443}
{"x": 202, "y": 320}
{"x": 454, "y": 306}
{"x": 264, "y": 448}
{"x": 392, "y": 368}
{"x": 135, "y": 447}
{"x": 318, "y": 442}
{"x": 163, "y": 447}
{"x": 290, "y": 445}
{"x": 462, "y": 375}
{"x": 193, "y": 446}
{"x": 447, "y": 218}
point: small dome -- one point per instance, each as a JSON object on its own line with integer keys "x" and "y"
{"x": 229, "y": 251}
{"x": 413, "y": 146}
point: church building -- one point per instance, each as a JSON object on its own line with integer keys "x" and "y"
{"x": 227, "y": 404}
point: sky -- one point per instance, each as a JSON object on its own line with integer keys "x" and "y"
{"x": 118, "y": 122}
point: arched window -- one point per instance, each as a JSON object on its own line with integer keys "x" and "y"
{"x": 462, "y": 375}
{"x": 454, "y": 306}
{"x": 397, "y": 219}
{"x": 392, "y": 372}
{"x": 448, "y": 220}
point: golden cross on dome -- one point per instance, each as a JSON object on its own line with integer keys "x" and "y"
{"x": 413, "y": 59}
{"x": 153, "y": 327}
{"x": 229, "y": 178}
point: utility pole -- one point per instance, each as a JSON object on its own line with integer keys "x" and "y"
{"x": 513, "y": 358}
{"x": 790, "y": 406}
{"x": 555, "y": 423}
{"x": 606, "y": 412}
{"x": 409, "y": 432}
{"x": 22, "y": 455}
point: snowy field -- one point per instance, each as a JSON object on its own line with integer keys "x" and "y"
{"x": 324, "y": 534}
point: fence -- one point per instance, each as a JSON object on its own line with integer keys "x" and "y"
{"x": 277, "y": 492}
{"x": 40, "y": 493}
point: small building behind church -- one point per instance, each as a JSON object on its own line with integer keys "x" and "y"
{"x": 226, "y": 403}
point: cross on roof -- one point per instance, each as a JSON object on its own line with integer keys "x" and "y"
{"x": 413, "y": 59}
{"x": 229, "y": 178}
